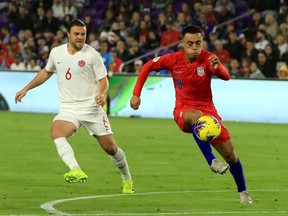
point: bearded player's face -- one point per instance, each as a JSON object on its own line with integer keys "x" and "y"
{"x": 192, "y": 45}
{"x": 77, "y": 37}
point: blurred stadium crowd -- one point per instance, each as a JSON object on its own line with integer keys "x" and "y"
{"x": 250, "y": 37}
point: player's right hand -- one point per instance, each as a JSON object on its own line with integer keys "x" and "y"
{"x": 135, "y": 102}
{"x": 19, "y": 95}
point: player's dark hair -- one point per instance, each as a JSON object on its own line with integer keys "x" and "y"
{"x": 75, "y": 22}
{"x": 192, "y": 30}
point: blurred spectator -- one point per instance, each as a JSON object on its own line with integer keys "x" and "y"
{"x": 38, "y": 20}
{"x": 169, "y": 36}
{"x": 12, "y": 12}
{"x": 225, "y": 4}
{"x": 107, "y": 58}
{"x": 224, "y": 14}
{"x": 50, "y": 23}
{"x": 261, "y": 40}
{"x": 70, "y": 9}
{"x": 272, "y": 27}
{"x": 122, "y": 52}
{"x": 143, "y": 33}
{"x": 115, "y": 66}
{"x": 245, "y": 67}
{"x": 284, "y": 57}
{"x": 210, "y": 13}
{"x": 23, "y": 19}
{"x": 221, "y": 53}
{"x": 211, "y": 42}
{"x": 254, "y": 25}
{"x": 272, "y": 55}
{"x": 250, "y": 51}
{"x": 206, "y": 25}
{"x": 161, "y": 27}
{"x": 234, "y": 46}
{"x": 283, "y": 72}
{"x": 137, "y": 66}
{"x": 169, "y": 12}
{"x": 92, "y": 40}
{"x": 109, "y": 18}
{"x": 265, "y": 66}
{"x": 134, "y": 24}
{"x": 180, "y": 22}
{"x": 283, "y": 11}
{"x": 90, "y": 25}
{"x": 18, "y": 64}
{"x": 281, "y": 44}
{"x": 152, "y": 42}
{"x": 185, "y": 8}
{"x": 58, "y": 9}
{"x": 255, "y": 73}
{"x": 234, "y": 70}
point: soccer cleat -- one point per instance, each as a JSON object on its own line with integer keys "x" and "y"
{"x": 219, "y": 166}
{"x": 128, "y": 187}
{"x": 75, "y": 175}
{"x": 245, "y": 197}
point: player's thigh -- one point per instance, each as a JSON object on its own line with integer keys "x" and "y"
{"x": 64, "y": 125}
{"x": 61, "y": 128}
{"x": 185, "y": 118}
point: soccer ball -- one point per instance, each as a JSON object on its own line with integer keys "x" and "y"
{"x": 207, "y": 128}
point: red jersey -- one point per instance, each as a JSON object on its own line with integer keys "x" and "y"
{"x": 192, "y": 82}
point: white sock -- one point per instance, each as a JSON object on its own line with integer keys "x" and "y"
{"x": 120, "y": 161}
{"x": 66, "y": 153}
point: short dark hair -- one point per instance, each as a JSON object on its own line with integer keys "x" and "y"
{"x": 75, "y": 22}
{"x": 192, "y": 30}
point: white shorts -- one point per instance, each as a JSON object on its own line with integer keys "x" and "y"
{"x": 94, "y": 119}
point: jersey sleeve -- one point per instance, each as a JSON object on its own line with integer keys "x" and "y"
{"x": 50, "y": 66}
{"x": 221, "y": 72}
{"x": 99, "y": 68}
{"x": 157, "y": 64}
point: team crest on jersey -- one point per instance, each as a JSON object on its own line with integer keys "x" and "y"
{"x": 81, "y": 63}
{"x": 156, "y": 59}
{"x": 200, "y": 71}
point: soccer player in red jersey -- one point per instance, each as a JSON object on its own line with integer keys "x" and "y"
{"x": 192, "y": 70}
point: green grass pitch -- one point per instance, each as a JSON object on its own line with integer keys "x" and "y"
{"x": 171, "y": 176}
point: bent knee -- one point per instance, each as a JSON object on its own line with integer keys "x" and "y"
{"x": 110, "y": 149}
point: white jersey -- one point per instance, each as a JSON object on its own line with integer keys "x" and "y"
{"x": 78, "y": 74}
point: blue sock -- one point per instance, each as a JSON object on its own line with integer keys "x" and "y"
{"x": 205, "y": 148}
{"x": 238, "y": 175}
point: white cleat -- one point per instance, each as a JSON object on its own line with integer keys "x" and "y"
{"x": 219, "y": 166}
{"x": 245, "y": 197}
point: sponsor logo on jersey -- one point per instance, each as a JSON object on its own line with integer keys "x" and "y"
{"x": 81, "y": 63}
{"x": 200, "y": 71}
{"x": 156, "y": 59}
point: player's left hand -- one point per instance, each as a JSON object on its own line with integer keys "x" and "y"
{"x": 100, "y": 100}
{"x": 214, "y": 61}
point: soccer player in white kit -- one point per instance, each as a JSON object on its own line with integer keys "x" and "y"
{"x": 82, "y": 89}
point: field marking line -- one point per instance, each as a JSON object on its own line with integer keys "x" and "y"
{"x": 49, "y": 206}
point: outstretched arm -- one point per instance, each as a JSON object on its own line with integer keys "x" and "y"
{"x": 218, "y": 68}
{"x": 40, "y": 78}
{"x": 142, "y": 77}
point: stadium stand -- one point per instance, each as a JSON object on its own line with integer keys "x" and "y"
{"x": 137, "y": 29}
